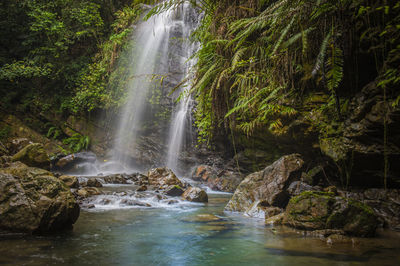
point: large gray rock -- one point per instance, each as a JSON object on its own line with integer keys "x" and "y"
{"x": 267, "y": 186}
{"x": 221, "y": 180}
{"x": 32, "y": 200}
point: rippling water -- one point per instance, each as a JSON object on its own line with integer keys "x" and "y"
{"x": 183, "y": 236}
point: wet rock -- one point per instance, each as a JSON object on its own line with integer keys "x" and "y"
{"x": 130, "y": 202}
{"x": 32, "y": 200}
{"x": 116, "y": 179}
{"x": 142, "y": 188}
{"x": 385, "y": 204}
{"x": 203, "y": 218}
{"x": 203, "y": 173}
{"x": 70, "y": 181}
{"x": 195, "y": 194}
{"x": 322, "y": 210}
{"x": 261, "y": 209}
{"x": 174, "y": 191}
{"x": 87, "y": 192}
{"x": 269, "y": 185}
{"x": 170, "y": 202}
{"x": 298, "y": 187}
{"x": 275, "y": 220}
{"x": 71, "y": 161}
{"x": 33, "y": 155}
{"x": 163, "y": 177}
{"x": 93, "y": 182}
{"x": 18, "y": 144}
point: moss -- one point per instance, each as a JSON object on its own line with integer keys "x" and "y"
{"x": 178, "y": 187}
{"x": 311, "y": 194}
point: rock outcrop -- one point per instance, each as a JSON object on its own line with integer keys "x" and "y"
{"x": 32, "y": 200}
{"x": 268, "y": 186}
{"x": 324, "y": 210}
{"x": 220, "y": 180}
{"x": 33, "y": 155}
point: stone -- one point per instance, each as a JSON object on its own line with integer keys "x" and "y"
{"x": 203, "y": 172}
{"x": 70, "y": 181}
{"x": 162, "y": 178}
{"x": 93, "y": 182}
{"x": 142, "y": 188}
{"x": 116, "y": 179}
{"x": 298, "y": 187}
{"x": 261, "y": 209}
{"x": 203, "y": 218}
{"x": 32, "y": 200}
{"x": 322, "y": 210}
{"x": 33, "y": 155}
{"x": 174, "y": 191}
{"x": 71, "y": 161}
{"x": 88, "y": 191}
{"x": 195, "y": 194}
{"x": 275, "y": 220}
{"x": 269, "y": 185}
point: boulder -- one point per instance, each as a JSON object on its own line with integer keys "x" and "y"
{"x": 33, "y": 155}
{"x": 313, "y": 210}
{"x": 174, "y": 191}
{"x": 269, "y": 186}
{"x": 72, "y": 161}
{"x": 93, "y": 182}
{"x": 195, "y": 194}
{"x": 261, "y": 209}
{"x": 298, "y": 187}
{"x": 203, "y": 173}
{"x": 32, "y": 200}
{"x": 162, "y": 178}
{"x": 70, "y": 181}
{"x": 116, "y": 179}
{"x": 226, "y": 181}
{"x": 87, "y": 192}
{"x": 275, "y": 220}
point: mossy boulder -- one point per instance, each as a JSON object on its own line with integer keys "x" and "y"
{"x": 33, "y": 155}
{"x": 313, "y": 210}
{"x": 32, "y": 200}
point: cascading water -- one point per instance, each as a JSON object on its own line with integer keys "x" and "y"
{"x": 162, "y": 51}
{"x": 181, "y": 124}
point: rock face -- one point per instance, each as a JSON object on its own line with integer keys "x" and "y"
{"x": 322, "y": 210}
{"x": 162, "y": 178}
{"x": 33, "y": 155}
{"x": 268, "y": 186}
{"x": 195, "y": 194}
{"x": 32, "y": 200}
{"x": 360, "y": 147}
{"x": 174, "y": 191}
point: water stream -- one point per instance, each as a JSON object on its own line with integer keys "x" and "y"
{"x": 184, "y": 234}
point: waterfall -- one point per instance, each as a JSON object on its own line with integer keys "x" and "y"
{"x": 160, "y": 61}
{"x": 181, "y": 124}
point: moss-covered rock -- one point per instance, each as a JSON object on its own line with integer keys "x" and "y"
{"x": 33, "y": 155}
{"x": 70, "y": 181}
{"x": 313, "y": 210}
{"x": 162, "y": 178}
{"x": 32, "y": 200}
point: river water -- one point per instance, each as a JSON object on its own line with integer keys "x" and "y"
{"x": 186, "y": 234}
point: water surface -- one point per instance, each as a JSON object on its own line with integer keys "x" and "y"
{"x": 174, "y": 236}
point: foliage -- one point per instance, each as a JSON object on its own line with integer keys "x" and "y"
{"x": 77, "y": 142}
{"x": 258, "y": 59}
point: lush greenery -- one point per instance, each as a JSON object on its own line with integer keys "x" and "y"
{"x": 262, "y": 61}
{"x": 65, "y": 49}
